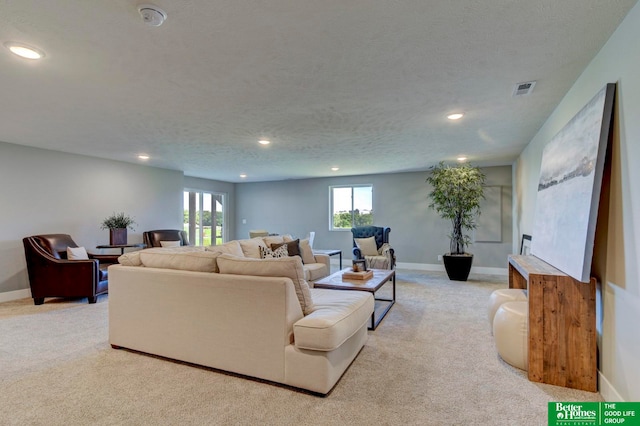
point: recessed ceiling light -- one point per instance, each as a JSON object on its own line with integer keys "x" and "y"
{"x": 24, "y": 51}
{"x": 456, "y": 116}
{"x": 335, "y": 169}
{"x": 264, "y": 142}
{"x": 461, "y": 159}
{"x": 143, "y": 157}
{"x": 243, "y": 175}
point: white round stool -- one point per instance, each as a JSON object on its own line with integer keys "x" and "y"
{"x": 511, "y": 333}
{"x": 498, "y": 297}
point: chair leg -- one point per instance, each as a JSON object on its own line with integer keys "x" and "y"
{"x": 38, "y": 300}
{"x": 93, "y": 299}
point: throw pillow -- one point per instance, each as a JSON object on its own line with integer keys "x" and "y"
{"x": 267, "y": 253}
{"x": 131, "y": 258}
{"x": 293, "y": 247}
{"x": 272, "y": 239}
{"x": 170, "y": 243}
{"x": 289, "y": 267}
{"x": 231, "y": 247}
{"x": 367, "y": 246}
{"x": 306, "y": 252}
{"x": 251, "y": 247}
{"x": 77, "y": 253}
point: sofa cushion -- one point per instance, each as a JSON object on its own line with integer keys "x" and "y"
{"x": 267, "y": 253}
{"x": 293, "y": 247}
{"x": 338, "y": 315}
{"x": 231, "y": 247}
{"x": 290, "y": 267}
{"x": 251, "y": 247}
{"x": 315, "y": 271}
{"x": 199, "y": 261}
{"x": 367, "y": 246}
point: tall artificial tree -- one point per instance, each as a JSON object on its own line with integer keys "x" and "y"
{"x": 456, "y": 194}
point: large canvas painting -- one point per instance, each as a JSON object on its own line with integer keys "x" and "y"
{"x": 569, "y": 188}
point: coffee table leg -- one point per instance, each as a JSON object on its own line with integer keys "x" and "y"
{"x": 391, "y": 301}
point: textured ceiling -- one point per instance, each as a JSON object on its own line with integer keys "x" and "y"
{"x": 360, "y": 84}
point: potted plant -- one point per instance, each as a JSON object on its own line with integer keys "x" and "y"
{"x": 117, "y": 225}
{"x": 456, "y": 194}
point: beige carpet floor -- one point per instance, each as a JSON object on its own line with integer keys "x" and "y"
{"x": 431, "y": 361}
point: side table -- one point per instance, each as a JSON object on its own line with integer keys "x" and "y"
{"x": 330, "y": 252}
{"x": 120, "y": 246}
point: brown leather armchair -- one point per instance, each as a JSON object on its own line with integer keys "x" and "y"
{"x": 51, "y": 274}
{"x": 153, "y": 238}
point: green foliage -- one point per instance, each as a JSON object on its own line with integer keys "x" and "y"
{"x": 456, "y": 194}
{"x": 117, "y": 221}
{"x": 206, "y": 218}
{"x": 348, "y": 220}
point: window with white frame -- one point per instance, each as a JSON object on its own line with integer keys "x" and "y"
{"x": 204, "y": 217}
{"x": 351, "y": 205}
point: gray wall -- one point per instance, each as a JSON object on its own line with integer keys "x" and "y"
{"x": 45, "y": 191}
{"x": 617, "y": 246}
{"x": 399, "y": 201}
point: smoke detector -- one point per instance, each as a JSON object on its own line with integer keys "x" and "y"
{"x": 152, "y": 15}
{"x": 524, "y": 89}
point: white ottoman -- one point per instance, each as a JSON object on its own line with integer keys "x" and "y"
{"x": 498, "y": 297}
{"x": 511, "y": 333}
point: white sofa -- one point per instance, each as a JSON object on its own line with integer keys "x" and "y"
{"x": 248, "y": 319}
{"x": 315, "y": 266}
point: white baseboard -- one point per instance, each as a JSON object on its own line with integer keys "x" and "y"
{"x": 607, "y": 391}
{"x": 15, "y": 295}
{"x": 435, "y": 267}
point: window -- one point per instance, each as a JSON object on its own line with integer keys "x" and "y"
{"x": 350, "y": 206}
{"x": 204, "y": 217}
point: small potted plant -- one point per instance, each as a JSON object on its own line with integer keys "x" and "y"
{"x": 456, "y": 194}
{"x": 117, "y": 225}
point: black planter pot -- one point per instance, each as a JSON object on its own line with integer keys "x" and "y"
{"x": 458, "y": 266}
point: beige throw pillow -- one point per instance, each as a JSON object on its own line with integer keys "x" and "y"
{"x": 367, "y": 246}
{"x": 290, "y": 267}
{"x": 251, "y": 247}
{"x": 77, "y": 253}
{"x": 231, "y": 247}
{"x": 306, "y": 252}
{"x": 273, "y": 239}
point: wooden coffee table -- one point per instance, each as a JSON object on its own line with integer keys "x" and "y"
{"x": 373, "y": 284}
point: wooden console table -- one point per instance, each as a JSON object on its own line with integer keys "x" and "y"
{"x": 562, "y": 324}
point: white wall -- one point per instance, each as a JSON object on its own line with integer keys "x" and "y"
{"x": 44, "y": 192}
{"x": 618, "y": 246}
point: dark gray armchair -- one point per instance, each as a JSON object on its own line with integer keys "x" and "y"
{"x": 381, "y": 236}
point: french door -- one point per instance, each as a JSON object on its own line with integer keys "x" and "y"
{"x": 205, "y": 217}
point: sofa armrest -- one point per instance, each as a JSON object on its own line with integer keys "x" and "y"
{"x": 357, "y": 254}
{"x": 338, "y": 316}
{"x": 324, "y": 259}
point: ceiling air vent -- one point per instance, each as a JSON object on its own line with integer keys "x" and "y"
{"x": 524, "y": 89}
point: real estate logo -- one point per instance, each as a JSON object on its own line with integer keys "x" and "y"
{"x": 574, "y": 413}
{"x": 594, "y": 413}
